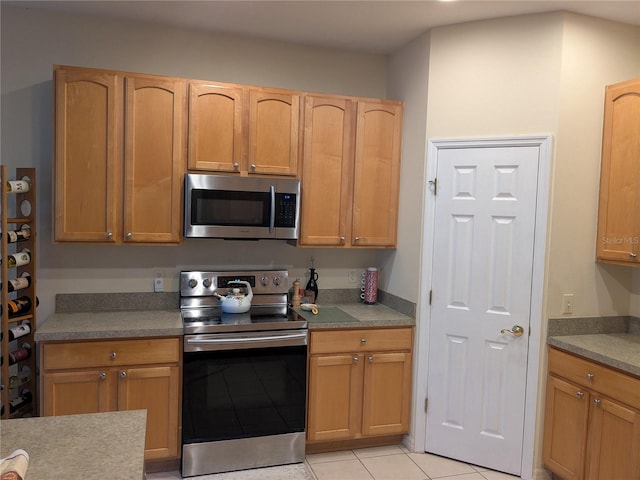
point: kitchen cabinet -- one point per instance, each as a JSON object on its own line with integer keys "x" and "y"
{"x": 119, "y": 157}
{"x": 117, "y": 375}
{"x": 359, "y": 383}
{"x": 351, "y": 172}
{"x": 592, "y": 420}
{"x": 618, "y": 238}
{"x": 242, "y": 129}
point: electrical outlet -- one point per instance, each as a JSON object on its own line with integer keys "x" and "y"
{"x": 158, "y": 282}
{"x": 567, "y": 303}
{"x": 352, "y": 276}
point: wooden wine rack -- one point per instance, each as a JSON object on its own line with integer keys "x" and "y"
{"x": 17, "y": 209}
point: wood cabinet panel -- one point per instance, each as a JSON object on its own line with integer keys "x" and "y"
{"x": 360, "y": 340}
{"x": 216, "y": 127}
{"x": 618, "y": 238}
{"x": 88, "y": 159}
{"x": 70, "y": 393}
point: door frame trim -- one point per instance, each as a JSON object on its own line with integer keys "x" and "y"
{"x": 537, "y": 308}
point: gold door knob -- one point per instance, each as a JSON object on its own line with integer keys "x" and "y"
{"x": 516, "y": 331}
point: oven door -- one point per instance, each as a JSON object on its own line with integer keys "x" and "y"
{"x": 243, "y": 385}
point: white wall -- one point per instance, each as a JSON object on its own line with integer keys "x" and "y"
{"x": 33, "y": 41}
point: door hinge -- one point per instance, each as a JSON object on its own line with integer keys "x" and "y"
{"x": 426, "y": 404}
{"x": 430, "y": 296}
{"x": 434, "y": 183}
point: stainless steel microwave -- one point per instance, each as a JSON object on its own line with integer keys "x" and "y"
{"x": 218, "y": 206}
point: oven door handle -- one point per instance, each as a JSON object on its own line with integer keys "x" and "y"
{"x": 247, "y": 342}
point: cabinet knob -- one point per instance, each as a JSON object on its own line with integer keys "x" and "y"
{"x": 109, "y": 235}
{"x": 370, "y": 358}
{"x": 580, "y": 394}
{"x": 103, "y": 376}
{"x": 632, "y": 255}
{"x": 253, "y": 166}
{"x": 236, "y": 165}
{"x": 596, "y": 401}
{"x": 342, "y": 239}
{"x": 357, "y": 239}
{"x": 363, "y": 341}
{"x": 113, "y": 355}
{"x": 355, "y": 359}
{"x": 129, "y": 235}
{"x": 123, "y": 374}
{"x": 590, "y": 376}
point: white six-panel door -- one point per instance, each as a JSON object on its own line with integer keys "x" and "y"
{"x": 483, "y": 246}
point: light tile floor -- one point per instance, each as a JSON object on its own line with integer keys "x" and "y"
{"x": 393, "y": 462}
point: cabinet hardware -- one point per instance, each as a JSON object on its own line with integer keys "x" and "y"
{"x": 632, "y": 255}
{"x": 253, "y": 166}
{"x": 580, "y": 394}
{"x": 590, "y": 376}
{"x": 596, "y": 401}
{"x": 236, "y": 165}
{"x": 113, "y": 355}
{"x": 123, "y": 374}
{"x": 109, "y": 235}
{"x": 370, "y": 358}
{"x": 355, "y": 359}
{"x": 103, "y": 376}
{"x": 129, "y": 235}
{"x": 363, "y": 341}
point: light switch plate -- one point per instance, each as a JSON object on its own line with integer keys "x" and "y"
{"x": 158, "y": 283}
{"x": 567, "y": 303}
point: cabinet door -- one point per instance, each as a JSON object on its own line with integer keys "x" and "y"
{"x": 335, "y": 397}
{"x": 274, "y": 120}
{"x": 154, "y": 158}
{"x": 619, "y": 212}
{"x": 386, "y": 394}
{"x": 157, "y": 390}
{"x": 215, "y": 128}
{"x": 88, "y": 162}
{"x": 377, "y": 174}
{"x": 613, "y": 449}
{"x": 327, "y": 171}
{"x": 86, "y": 391}
{"x": 565, "y": 428}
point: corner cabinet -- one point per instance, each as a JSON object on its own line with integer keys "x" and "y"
{"x": 112, "y": 375}
{"x": 618, "y": 238}
{"x": 119, "y": 157}
{"x": 592, "y": 420}
{"x": 351, "y": 172}
{"x": 18, "y": 320}
{"x": 244, "y": 130}
{"x": 359, "y": 383}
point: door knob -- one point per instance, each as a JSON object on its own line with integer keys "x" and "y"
{"x": 516, "y": 331}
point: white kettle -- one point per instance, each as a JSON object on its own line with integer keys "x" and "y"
{"x": 236, "y": 302}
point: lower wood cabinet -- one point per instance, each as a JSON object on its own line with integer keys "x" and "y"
{"x": 103, "y": 376}
{"x": 592, "y": 420}
{"x": 359, "y": 383}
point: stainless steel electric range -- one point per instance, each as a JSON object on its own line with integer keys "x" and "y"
{"x": 244, "y": 374}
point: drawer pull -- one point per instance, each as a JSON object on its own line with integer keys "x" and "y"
{"x": 363, "y": 341}
{"x": 580, "y": 394}
{"x": 632, "y": 255}
{"x": 103, "y": 376}
{"x": 590, "y": 376}
{"x": 123, "y": 374}
{"x": 113, "y": 355}
{"x": 596, "y": 401}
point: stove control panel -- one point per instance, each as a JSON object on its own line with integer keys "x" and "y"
{"x": 205, "y": 283}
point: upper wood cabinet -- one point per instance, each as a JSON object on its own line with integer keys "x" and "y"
{"x": 619, "y": 211}
{"x": 244, "y": 130}
{"x": 351, "y": 172}
{"x": 119, "y": 157}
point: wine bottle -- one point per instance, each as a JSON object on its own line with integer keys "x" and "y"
{"x": 19, "y": 306}
{"x": 14, "y": 236}
{"x": 19, "y": 259}
{"x": 23, "y": 399}
{"x": 18, "y": 283}
{"x": 18, "y": 354}
{"x": 18, "y": 186}
{"x": 24, "y": 376}
{"x": 18, "y": 331}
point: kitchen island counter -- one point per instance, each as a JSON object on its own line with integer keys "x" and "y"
{"x": 79, "y": 447}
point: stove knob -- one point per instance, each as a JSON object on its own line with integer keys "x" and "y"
{"x": 192, "y": 283}
{"x": 277, "y": 281}
{"x": 206, "y": 282}
{"x": 264, "y": 281}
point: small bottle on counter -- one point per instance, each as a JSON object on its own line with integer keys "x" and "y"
{"x": 295, "y": 299}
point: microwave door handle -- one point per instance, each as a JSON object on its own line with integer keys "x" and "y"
{"x": 272, "y": 218}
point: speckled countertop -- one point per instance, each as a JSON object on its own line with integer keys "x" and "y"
{"x": 79, "y": 447}
{"x": 110, "y": 324}
{"x": 613, "y": 341}
{"x": 354, "y": 315}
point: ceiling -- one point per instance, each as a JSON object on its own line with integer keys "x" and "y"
{"x": 372, "y": 26}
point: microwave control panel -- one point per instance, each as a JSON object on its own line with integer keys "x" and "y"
{"x": 285, "y": 210}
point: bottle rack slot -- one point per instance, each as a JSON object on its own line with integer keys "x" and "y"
{"x": 18, "y": 322}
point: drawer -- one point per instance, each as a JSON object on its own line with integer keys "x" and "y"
{"x": 56, "y": 356}
{"x": 361, "y": 340}
{"x": 595, "y": 377}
